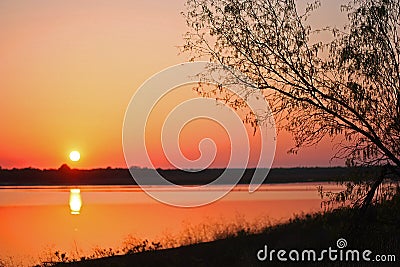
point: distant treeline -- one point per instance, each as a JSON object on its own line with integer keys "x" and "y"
{"x": 66, "y": 176}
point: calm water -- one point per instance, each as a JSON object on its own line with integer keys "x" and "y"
{"x": 38, "y": 219}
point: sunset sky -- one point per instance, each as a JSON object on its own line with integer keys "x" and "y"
{"x": 69, "y": 68}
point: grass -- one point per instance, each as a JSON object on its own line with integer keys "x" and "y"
{"x": 210, "y": 229}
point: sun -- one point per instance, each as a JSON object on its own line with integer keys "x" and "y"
{"x": 74, "y": 155}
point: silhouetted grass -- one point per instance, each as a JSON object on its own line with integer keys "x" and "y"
{"x": 208, "y": 230}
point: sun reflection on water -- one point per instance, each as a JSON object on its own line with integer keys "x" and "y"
{"x": 75, "y": 201}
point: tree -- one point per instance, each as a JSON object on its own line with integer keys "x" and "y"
{"x": 347, "y": 88}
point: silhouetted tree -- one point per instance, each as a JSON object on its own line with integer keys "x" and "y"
{"x": 347, "y": 88}
{"x": 64, "y": 168}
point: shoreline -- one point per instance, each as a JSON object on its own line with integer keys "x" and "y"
{"x": 122, "y": 177}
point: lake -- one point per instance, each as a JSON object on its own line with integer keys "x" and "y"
{"x": 39, "y": 220}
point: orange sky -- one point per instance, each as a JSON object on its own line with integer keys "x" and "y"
{"x": 69, "y": 68}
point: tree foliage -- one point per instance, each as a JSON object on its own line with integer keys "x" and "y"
{"x": 347, "y": 87}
